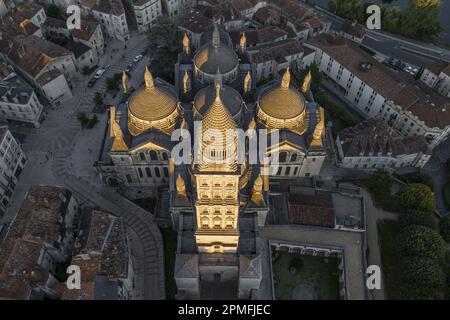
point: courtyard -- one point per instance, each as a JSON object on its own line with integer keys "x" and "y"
{"x": 305, "y": 277}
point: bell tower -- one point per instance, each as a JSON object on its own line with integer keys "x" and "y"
{"x": 217, "y": 182}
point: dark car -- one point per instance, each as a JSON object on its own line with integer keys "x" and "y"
{"x": 91, "y": 82}
{"x": 129, "y": 68}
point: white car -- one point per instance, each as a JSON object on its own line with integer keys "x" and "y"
{"x": 138, "y": 58}
{"x": 100, "y": 72}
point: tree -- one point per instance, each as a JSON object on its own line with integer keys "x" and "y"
{"x": 391, "y": 19}
{"x": 416, "y": 196}
{"x": 422, "y": 278}
{"x": 417, "y": 217}
{"x": 348, "y": 9}
{"x": 444, "y": 228}
{"x": 113, "y": 82}
{"x": 421, "y": 19}
{"x": 53, "y": 11}
{"x": 164, "y": 43}
{"x": 380, "y": 182}
{"x": 415, "y": 240}
{"x": 98, "y": 99}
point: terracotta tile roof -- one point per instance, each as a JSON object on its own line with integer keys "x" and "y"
{"x": 15, "y": 276}
{"x": 114, "y": 7}
{"x": 447, "y": 70}
{"x": 314, "y": 210}
{"x": 30, "y": 53}
{"x": 103, "y": 252}
{"x": 314, "y": 22}
{"x": 278, "y": 51}
{"x": 265, "y": 13}
{"x": 55, "y": 23}
{"x": 258, "y": 36}
{"x": 353, "y": 29}
{"x": 195, "y": 21}
{"x": 374, "y": 136}
{"x": 437, "y": 67}
{"x": 28, "y": 9}
{"x": 37, "y": 219}
{"x": 88, "y": 28}
{"x": 241, "y": 5}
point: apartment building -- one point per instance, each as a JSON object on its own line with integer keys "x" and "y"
{"x": 111, "y": 15}
{"x": 145, "y": 12}
{"x": 374, "y": 89}
{"x": 12, "y": 162}
{"x": 437, "y": 76}
{"x": 372, "y": 145}
{"x": 47, "y": 66}
{"x": 18, "y": 101}
{"x": 174, "y": 8}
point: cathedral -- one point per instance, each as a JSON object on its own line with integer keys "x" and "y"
{"x": 217, "y": 203}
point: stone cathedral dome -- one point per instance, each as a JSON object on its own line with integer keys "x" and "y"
{"x": 281, "y": 106}
{"x": 216, "y": 56}
{"x": 152, "y": 107}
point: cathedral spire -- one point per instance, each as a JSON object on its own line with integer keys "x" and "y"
{"x": 124, "y": 82}
{"x": 286, "y": 80}
{"x": 247, "y": 82}
{"x": 243, "y": 42}
{"x": 186, "y": 82}
{"x": 306, "y": 82}
{"x": 148, "y": 79}
{"x": 186, "y": 43}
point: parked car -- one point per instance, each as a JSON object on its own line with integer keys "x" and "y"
{"x": 129, "y": 68}
{"x": 99, "y": 73}
{"x": 138, "y": 58}
{"x": 92, "y": 82}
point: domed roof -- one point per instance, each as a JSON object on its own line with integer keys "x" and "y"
{"x": 152, "y": 103}
{"x": 217, "y": 116}
{"x": 229, "y": 97}
{"x": 224, "y": 144}
{"x": 216, "y": 56}
{"x": 282, "y": 102}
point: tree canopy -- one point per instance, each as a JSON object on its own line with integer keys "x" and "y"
{"x": 380, "y": 182}
{"x": 417, "y": 217}
{"x": 444, "y": 228}
{"x": 164, "y": 43}
{"x": 422, "y": 279}
{"x": 416, "y": 240}
{"x": 416, "y": 196}
{"x": 420, "y": 20}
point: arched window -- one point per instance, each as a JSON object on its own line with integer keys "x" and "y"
{"x": 142, "y": 156}
{"x": 153, "y": 155}
{"x": 217, "y": 222}
{"x": 158, "y": 174}
{"x": 205, "y": 222}
{"x": 165, "y": 157}
{"x": 283, "y": 156}
{"x": 294, "y": 157}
